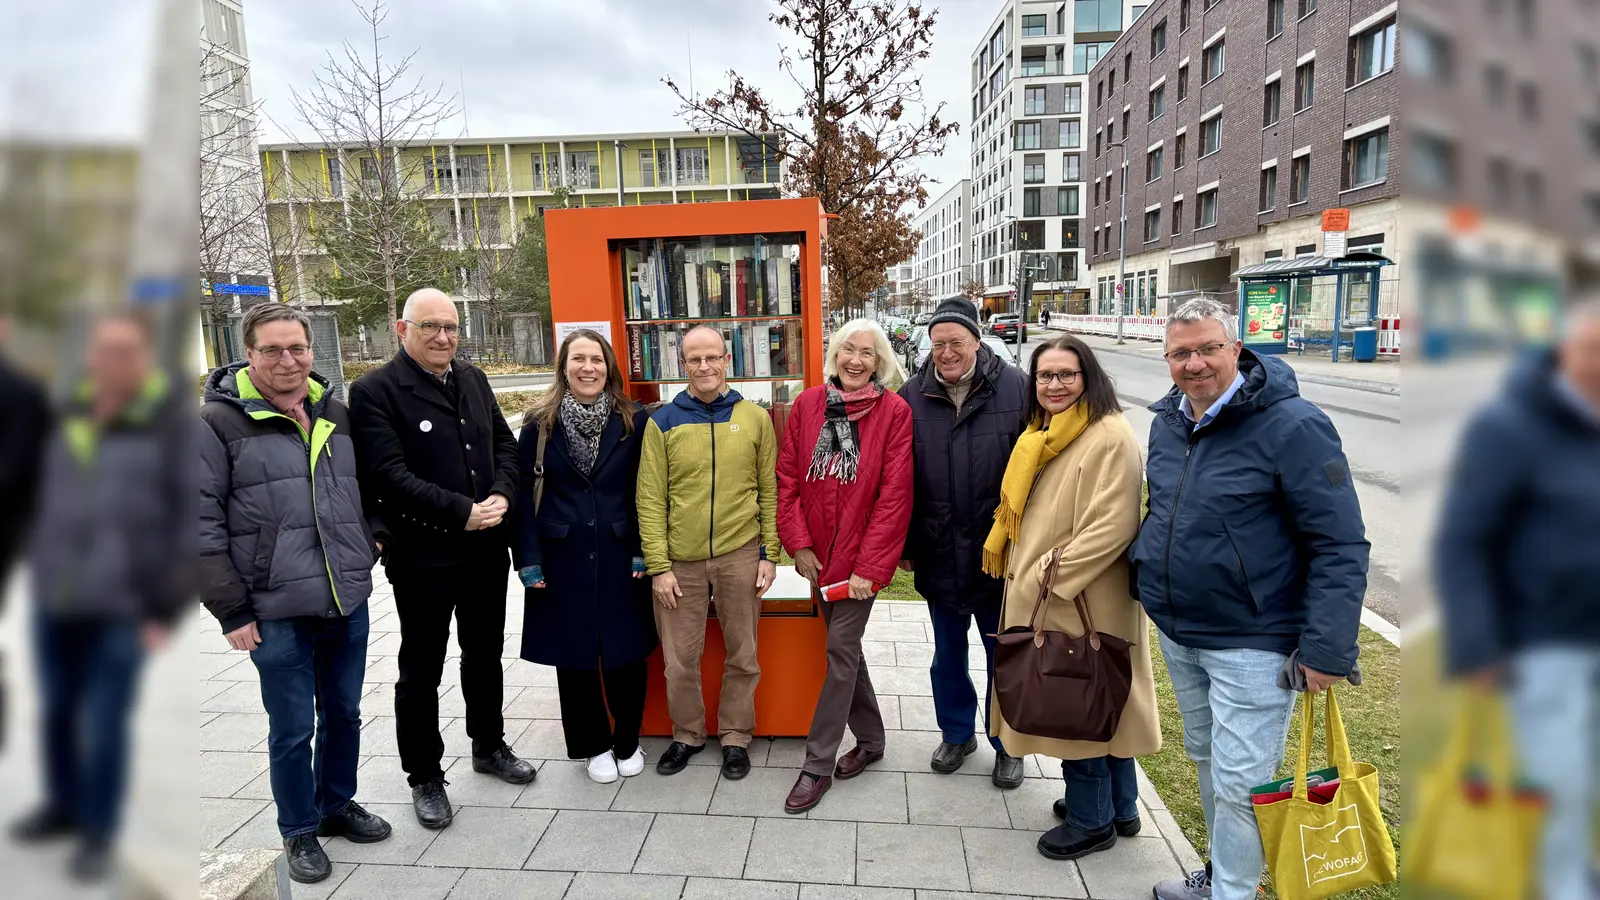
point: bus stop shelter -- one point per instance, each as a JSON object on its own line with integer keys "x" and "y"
{"x": 1266, "y": 300}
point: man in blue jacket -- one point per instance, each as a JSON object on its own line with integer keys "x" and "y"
{"x": 1517, "y": 568}
{"x": 1253, "y": 552}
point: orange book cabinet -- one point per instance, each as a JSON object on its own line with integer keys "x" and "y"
{"x": 642, "y": 275}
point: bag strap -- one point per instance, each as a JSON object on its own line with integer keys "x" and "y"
{"x": 538, "y": 469}
{"x": 1336, "y": 745}
{"x": 1078, "y": 601}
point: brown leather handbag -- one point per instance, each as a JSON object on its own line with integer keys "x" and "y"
{"x": 1050, "y": 684}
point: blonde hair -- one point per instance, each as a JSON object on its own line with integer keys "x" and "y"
{"x": 889, "y": 367}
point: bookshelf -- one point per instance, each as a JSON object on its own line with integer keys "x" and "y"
{"x": 750, "y": 269}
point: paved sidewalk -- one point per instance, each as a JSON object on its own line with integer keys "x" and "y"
{"x": 1381, "y": 376}
{"x": 898, "y": 832}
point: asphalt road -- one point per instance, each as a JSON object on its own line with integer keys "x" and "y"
{"x": 1368, "y": 423}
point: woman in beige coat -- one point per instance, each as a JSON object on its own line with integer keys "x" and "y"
{"x": 1073, "y": 482}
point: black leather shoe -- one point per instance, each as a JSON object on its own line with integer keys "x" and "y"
{"x": 505, "y": 765}
{"x": 43, "y": 824}
{"x": 308, "y": 864}
{"x": 91, "y": 863}
{"x": 949, "y": 757}
{"x": 432, "y": 805}
{"x": 1067, "y": 842}
{"x": 355, "y": 825}
{"x": 676, "y": 757}
{"x": 1125, "y": 827}
{"x": 735, "y": 763}
{"x": 1007, "y": 771}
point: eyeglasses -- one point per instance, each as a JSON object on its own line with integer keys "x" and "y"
{"x": 298, "y": 351}
{"x": 696, "y": 362}
{"x": 1066, "y": 378}
{"x": 957, "y": 346}
{"x": 1209, "y": 351}
{"x": 430, "y": 329}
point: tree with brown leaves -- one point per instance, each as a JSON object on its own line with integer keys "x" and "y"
{"x": 855, "y": 137}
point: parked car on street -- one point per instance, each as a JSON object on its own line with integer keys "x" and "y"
{"x": 1008, "y": 325}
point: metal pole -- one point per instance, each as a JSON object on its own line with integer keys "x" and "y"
{"x": 1122, "y": 249}
{"x": 622, "y": 199}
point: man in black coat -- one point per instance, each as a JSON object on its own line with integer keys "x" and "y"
{"x": 967, "y": 411}
{"x": 21, "y": 446}
{"x": 438, "y": 459}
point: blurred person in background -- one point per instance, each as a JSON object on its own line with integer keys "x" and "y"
{"x": 967, "y": 411}
{"x": 1073, "y": 483}
{"x": 1252, "y": 563}
{"x": 21, "y": 446}
{"x": 439, "y": 464}
{"x": 844, "y": 504}
{"x": 1517, "y": 563}
{"x": 109, "y": 560}
{"x": 286, "y": 560}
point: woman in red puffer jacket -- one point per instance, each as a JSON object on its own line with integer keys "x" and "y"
{"x": 844, "y": 505}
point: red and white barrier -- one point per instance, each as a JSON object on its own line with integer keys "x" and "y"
{"x": 1154, "y": 328}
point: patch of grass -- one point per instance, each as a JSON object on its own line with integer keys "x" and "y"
{"x": 515, "y": 402}
{"x": 514, "y": 369}
{"x": 354, "y": 370}
{"x": 1371, "y": 715}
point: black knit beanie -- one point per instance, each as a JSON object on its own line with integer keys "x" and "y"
{"x": 957, "y": 311}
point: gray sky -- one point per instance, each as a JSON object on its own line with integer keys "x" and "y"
{"x": 539, "y": 67}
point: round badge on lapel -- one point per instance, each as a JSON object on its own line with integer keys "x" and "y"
{"x": 426, "y": 426}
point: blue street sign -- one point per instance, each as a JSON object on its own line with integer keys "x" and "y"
{"x": 257, "y": 290}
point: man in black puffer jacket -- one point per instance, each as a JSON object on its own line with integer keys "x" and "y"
{"x": 286, "y": 559}
{"x": 967, "y": 410}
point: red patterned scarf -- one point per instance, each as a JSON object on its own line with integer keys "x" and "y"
{"x": 838, "y": 450}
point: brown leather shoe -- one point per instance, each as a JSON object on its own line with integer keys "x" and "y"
{"x": 855, "y": 762}
{"x": 806, "y": 793}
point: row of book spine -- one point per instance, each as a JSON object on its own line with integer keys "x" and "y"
{"x": 760, "y": 349}
{"x": 666, "y": 285}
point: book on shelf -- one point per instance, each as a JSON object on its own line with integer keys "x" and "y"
{"x": 673, "y": 280}
{"x": 759, "y": 349}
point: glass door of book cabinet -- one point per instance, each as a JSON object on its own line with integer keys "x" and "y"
{"x": 746, "y": 286}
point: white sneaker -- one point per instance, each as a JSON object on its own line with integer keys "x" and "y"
{"x": 633, "y": 765}
{"x": 603, "y": 768}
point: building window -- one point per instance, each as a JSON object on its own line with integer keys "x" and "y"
{"x": 1183, "y": 16}
{"x": 1305, "y": 85}
{"x": 1138, "y": 11}
{"x": 1028, "y": 135}
{"x": 1433, "y": 163}
{"x": 694, "y": 166}
{"x": 1178, "y": 148}
{"x": 1097, "y": 192}
{"x": 1205, "y": 214}
{"x": 1429, "y": 54}
{"x": 1089, "y": 16}
{"x": 1591, "y": 206}
{"x": 1033, "y": 101}
{"x": 1071, "y": 133}
{"x": 1158, "y": 39}
{"x": 1588, "y": 63}
{"x": 1271, "y": 103}
{"x": 1072, "y": 167}
{"x": 1030, "y": 202}
{"x": 1591, "y": 134}
{"x": 1067, "y": 201}
{"x": 1528, "y": 99}
{"x": 1097, "y": 136}
{"x": 759, "y": 157}
{"x": 1033, "y": 26}
{"x": 1074, "y": 99}
{"x": 1158, "y": 102}
{"x": 1366, "y": 159}
{"x": 1127, "y": 67}
{"x": 1274, "y": 18}
{"x": 1084, "y": 56}
{"x": 1211, "y": 62}
{"x": 1494, "y": 85}
{"x": 1372, "y": 52}
{"x": 1177, "y": 216}
{"x": 1152, "y": 226}
{"x": 1099, "y": 94}
{"x": 1307, "y": 7}
{"x": 1211, "y": 135}
{"x": 1269, "y": 189}
{"x": 336, "y": 177}
{"x": 1033, "y": 173}
{"x": 1183, "y": 82}
{"x": 1152, "y": 164}
{"x": 1300, "y": 179}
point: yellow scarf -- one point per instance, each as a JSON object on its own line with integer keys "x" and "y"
{"x": 1034, "y": 450}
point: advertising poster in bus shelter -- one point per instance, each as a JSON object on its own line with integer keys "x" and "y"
{"x": 1265, "y": 314}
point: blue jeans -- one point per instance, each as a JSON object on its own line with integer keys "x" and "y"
{"x": 1235, "y": 720}
{"x": 1558, "y": 745}
{"x": 88, "y": 675}
{"x": 1100, "y": 791}
{"x": 312, "y": 674}
{"x": 955, "y": 700}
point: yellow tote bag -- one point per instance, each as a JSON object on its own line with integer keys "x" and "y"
{"x": 1321, "y": 850}
{"x": 1474, "y": 834}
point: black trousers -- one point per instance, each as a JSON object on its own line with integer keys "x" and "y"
{"x": 588, "y": 695}
{"x": 425, "y": 600}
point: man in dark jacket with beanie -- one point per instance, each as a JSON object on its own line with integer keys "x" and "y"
{"x": 1517, "y": 566}
{"x": 286, "y": 558}
{"x": 967, "y": 412}
{"x": 1253, "y": 550}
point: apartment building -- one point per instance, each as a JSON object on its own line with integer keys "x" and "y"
{"x": 1029, "y": 132}
{"x": 1231, "y": 125}
{"x": 478, "y": 190}
{"x": 943, "y": 260}
{"x": 232, "y": 240}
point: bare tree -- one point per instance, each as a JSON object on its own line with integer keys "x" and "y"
{"x": 233, "y": 229}
{"x": 368, "y": 108}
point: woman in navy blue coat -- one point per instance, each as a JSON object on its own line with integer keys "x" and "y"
{"x": 587, "y": 607}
